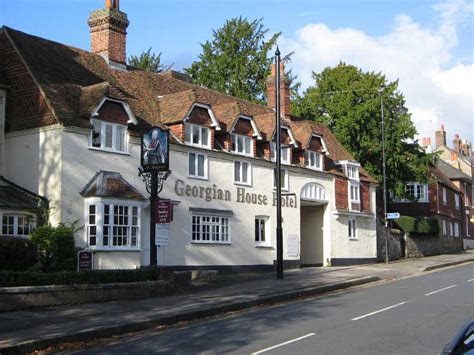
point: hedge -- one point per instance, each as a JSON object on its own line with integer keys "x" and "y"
{"x": 17, "y": 253}
{"x": 423, "y": 226}
{"x": 12, "y": 278}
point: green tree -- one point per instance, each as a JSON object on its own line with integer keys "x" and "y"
{"x": 148, "y": 61}
{"x": 348, "y": 100}
{"x": 237, "y": 60}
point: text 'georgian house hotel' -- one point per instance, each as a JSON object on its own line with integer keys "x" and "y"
{"x": 71, "y": 124}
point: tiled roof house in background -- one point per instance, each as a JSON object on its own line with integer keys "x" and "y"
{"x": 73, "y": 120}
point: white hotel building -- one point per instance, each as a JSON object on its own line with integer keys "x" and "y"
{"x": 71, "y": 126}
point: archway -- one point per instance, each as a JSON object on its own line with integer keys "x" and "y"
{"x": 314, "y": 201}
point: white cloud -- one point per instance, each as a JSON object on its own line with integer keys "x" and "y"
{"x": 437, "y": 88}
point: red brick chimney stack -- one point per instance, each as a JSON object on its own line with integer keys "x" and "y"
{"x": 108, "y": 27}
{"x": 284, "y": 91}
{"x": 440, "y": 137}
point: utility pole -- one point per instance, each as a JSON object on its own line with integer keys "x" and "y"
{"x": 384, "y": 177}
{"x": 279, "y": 231}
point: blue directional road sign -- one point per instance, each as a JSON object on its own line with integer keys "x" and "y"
{"x": 393, "y": 215}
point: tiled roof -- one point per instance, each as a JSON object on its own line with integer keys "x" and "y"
{"x": 74, "y": 81}
{"x": 110, "y": 184}
{"x": 16, "y": 197}
{"x": 442, "y": 178}
{"x": 451, "y": 172}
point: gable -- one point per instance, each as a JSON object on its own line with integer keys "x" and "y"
{"x": 25, "y": 107}
{"x": 243, "y": 127}
{"x": 315, "y": 144}
{"x": 200, "y": 115}
{"x": 112, "y": 111}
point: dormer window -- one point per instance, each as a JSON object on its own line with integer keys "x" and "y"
{"x": 197, "y": 136}
{"x": 352, "y": 172}
{"x": 284, "y": 154}
{"x": 313, "y": 160}
{"x": 242, "y": 145}
{"x": 108, "y": 136}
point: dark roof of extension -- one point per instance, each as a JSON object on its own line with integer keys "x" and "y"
{"x": 74, "y": 81}
{"x": 443, "y": 178}
{"x": 451, "y": 172}
{"x": 16, "y": 197}
{"x": 110, "y": 184}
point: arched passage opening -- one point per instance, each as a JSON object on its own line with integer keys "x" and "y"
{"x": 314, "y": 201}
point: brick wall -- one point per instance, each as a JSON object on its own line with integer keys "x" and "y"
{"x": 25, "y": 105}
{"x": 342, "y": 202}
{"x": 200, "y": 116}
{"x": 448, "y": 209}
{"x": 178, "y": 130}
{"x": 365, "y": 196}
{"x": 113, "y": 112}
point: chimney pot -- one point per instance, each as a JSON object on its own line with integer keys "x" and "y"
{"x": 108, "y": 4}
{"x": 442, "y": 127}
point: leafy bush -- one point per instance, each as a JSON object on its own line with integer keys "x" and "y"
{"x": 56, "y": 250}
{"x": 418, "y": 225}
{"x": 17, "y": 253}
{"x": 12, "y": 279}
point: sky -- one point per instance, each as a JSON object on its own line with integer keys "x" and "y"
{"x": 426, "y": 45}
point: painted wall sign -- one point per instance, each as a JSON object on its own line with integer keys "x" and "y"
{"x": 241, "y": 195}
{"x": 155, "y": 150}
{"x": 84, "y": 260}
{"x": 163, "y": 212}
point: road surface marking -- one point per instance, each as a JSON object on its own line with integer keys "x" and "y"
{"x": 382, "y": 310}
{"x": 283, "y": 344}
{"x": 470, "y": 280}
{"x": 446, "y": 288}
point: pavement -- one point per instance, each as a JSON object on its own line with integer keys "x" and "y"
{"x": 26, "y": 331}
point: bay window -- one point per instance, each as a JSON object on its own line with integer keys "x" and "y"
{"x": 107, "y": 136}
{"x": 113, "y": 224}
{"x": 16, "y": 225}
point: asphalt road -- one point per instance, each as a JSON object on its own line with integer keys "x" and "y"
{"x": 418, "y": 315}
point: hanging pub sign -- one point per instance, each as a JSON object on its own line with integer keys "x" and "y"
{"x": 163, "y": 212}
{"x": 155, "y": 150}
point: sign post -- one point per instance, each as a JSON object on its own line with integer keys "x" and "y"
{"x": 393, "y": 215}
{"x": 85, "y": 260}
{"x": 154, "y": 170}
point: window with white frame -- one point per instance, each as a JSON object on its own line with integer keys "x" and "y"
{"x": 467, "y": 225}
{"x": 352, "y": 229}
{"x": 284, "y": 179}
{"x": 313, "y": 160}
{"x": 445, "y": 228}
{"x": 284, "y": 153}
{"x": 262, "y": 235}
{"x": 354, "y": 192}
{"x": 196, "y": 135}
{"x": 456, "y": 229}
{"x": 451, "y": 224}
{"x": 415, "y": 191}
{"x": 108, "y": 136}
{"x": 352, "y": 172}
{"x": 17, "y": 225}
{"x": 457, "y": 201}
{"x": 113, "y": 225}
{"x": 210, "y": 229}
{"x": 242, "y": 145}
{"x": 445, "y": 196}
{"x": 197, "y": 165}
{"x": 242, "y": 173}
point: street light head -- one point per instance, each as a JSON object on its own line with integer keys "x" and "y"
{"x": 277, "y": 52}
